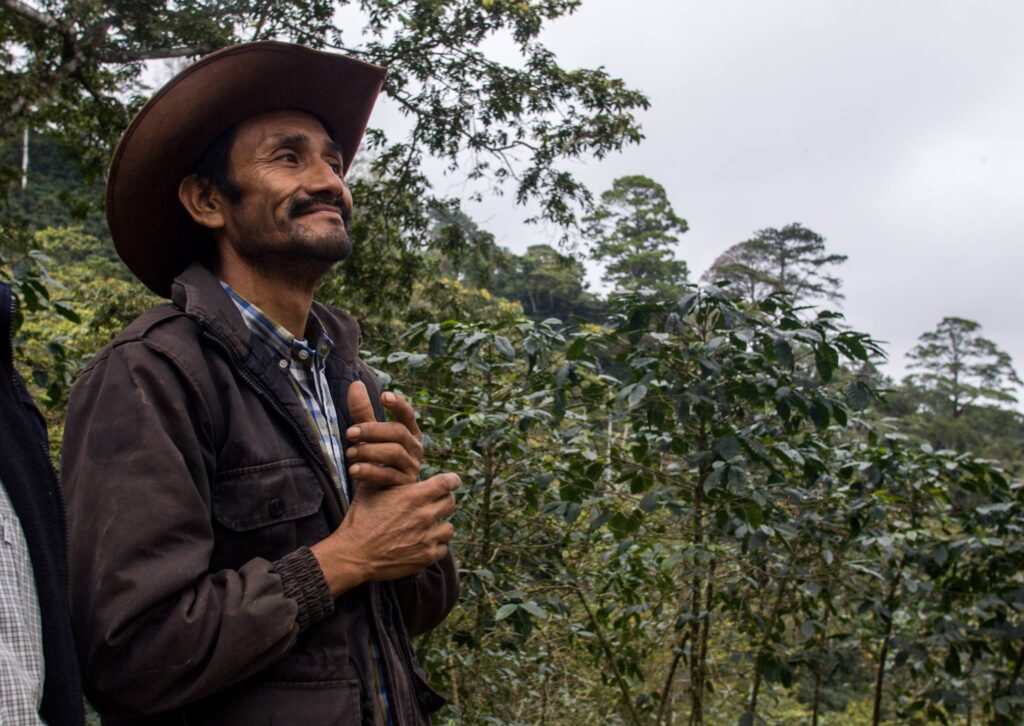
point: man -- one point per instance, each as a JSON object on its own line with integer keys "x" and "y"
{"x": 39, "y": 680}
{"x": 229, "y": 566}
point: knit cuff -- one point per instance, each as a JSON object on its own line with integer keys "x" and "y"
{"x": 303, "y": 581}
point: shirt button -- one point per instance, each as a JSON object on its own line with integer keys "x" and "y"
{"x": 276, "y": 507}
{"x": 304, "y": 354}
{"x": 283, "y": 364}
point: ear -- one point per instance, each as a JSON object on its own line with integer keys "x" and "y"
{"x": 203, "y": 201}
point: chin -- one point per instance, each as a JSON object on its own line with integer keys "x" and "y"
{"x": 325, "y": 247}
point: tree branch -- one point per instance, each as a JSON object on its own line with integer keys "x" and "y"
{"x": 143, "y": 54}
{"x": 29, "y": 13}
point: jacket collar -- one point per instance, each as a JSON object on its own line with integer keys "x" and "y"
{"x": 198, "y": 292}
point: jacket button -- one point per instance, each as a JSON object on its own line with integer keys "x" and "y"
{"x": 276, "y": 507}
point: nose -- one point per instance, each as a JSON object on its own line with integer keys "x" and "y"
{"x": 322, "y": 180}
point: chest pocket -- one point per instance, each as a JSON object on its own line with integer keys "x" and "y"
{"x": 265, "y": 511}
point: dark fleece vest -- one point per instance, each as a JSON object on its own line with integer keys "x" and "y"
{"x": 31, "y": 484}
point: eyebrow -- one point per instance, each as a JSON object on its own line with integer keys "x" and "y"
{"x": 303, "y": 140}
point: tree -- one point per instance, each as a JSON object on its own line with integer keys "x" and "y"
{"x": 633, "y": 232}
{"x": 546, "y": 283}
{"x": 467, "y": 252}
{"x": 961, "y": 368}
{"x": 77, "y": 68}
{"x": 792, "y": 259}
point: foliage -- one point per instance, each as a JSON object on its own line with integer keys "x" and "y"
{"x": 46, "y": 363}
{"x": 548, "y": 284}
{"x": 792, "y": 259}
{"x": 633, "y": 232}
{"x": 960, "y": 368}
{"x": 77, "y": 68}
{"x": 688, "y": 499}
{"x": 683, "y": 505}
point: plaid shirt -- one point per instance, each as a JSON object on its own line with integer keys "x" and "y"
{"x": 21, "y": 635}
{"x": 305, "y": 365}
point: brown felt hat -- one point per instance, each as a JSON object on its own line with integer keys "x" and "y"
{"x": 152, "y": 232}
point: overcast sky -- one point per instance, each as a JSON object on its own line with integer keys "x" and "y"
{"x": 895, "y": 129}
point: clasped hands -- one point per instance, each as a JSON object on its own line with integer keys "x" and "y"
{"x": 394, "y": 526}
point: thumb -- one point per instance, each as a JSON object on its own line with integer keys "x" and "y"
{"x": 359, "y": 407}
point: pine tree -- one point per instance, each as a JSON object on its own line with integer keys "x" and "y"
{"x": 634, "y": 232}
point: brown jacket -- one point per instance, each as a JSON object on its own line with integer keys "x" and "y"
{"x": 195, "y": 486}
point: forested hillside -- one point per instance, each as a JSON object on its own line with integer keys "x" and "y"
{"x": 682, "y": 503}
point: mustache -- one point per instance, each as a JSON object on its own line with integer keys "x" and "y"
{"x": 303, "y": 205}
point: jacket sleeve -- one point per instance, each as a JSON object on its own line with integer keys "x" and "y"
{"x": 427, "y": 597}
{"x": 156, "y": 629}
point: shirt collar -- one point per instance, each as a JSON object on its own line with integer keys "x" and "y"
{"x": 279, "y": 338}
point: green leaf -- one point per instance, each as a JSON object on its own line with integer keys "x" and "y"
{"x": 637, "y": 395}
{"x": 825, "y": 360}
{"x": 534, "y": 609}
{"x": 67, "y": 312}
{"x": 754, "y": 514}
{"x": 562, "y": 375}
{"x": 504, "y": 347}
{"x": 819, "y": 414}
{"x": 952, "y": 663}
{"x": 728, "y": 447}
{"x": 714, "y": 477}
{"x": 686, "y": 304}
{"x": 649, "y": 503}
{"x": 784, "y": 352}
{"x": 576, "y": 349}
{"x": 505, "y": 610}
{"x": 438, "y": 344}
{"x": 858, "y": 395}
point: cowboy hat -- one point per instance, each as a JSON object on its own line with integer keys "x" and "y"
{"x": 151, "y": 230}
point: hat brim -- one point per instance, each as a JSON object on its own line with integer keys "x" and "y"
{"x": 151, "y": 230}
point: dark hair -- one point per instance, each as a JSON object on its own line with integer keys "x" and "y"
{"x": 215, "y": 165}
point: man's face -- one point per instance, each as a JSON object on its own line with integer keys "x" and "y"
{"x": 294, "y": 207}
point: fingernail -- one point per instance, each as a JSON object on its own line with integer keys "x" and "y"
{"x": 390, "y": 397}
{"x": 351, "y": 452}
{"x": 353, "y": 433}
{"x": 355, "y": 470}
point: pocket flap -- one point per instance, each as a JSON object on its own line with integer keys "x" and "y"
{"x": 262, "y": 496}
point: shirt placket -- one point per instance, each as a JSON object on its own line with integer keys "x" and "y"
{"x": 307, "y": 370}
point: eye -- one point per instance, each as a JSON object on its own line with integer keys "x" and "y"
{"x": 288, "y": 156}
{"x": 335, "y": 166}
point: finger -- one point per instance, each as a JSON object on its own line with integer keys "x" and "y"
{"x": 389, "y": 454}
{"x": 441, "y": 508}
{"x": 439, "y": 486}
{"x": 359, "y": 406}
{"x": 402, "y": 411}
{"x": 438, "y": 553}
{"x": 442, "y": 533}
{"x": 380, "y": 476}
{"x": 385, "y": 433}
